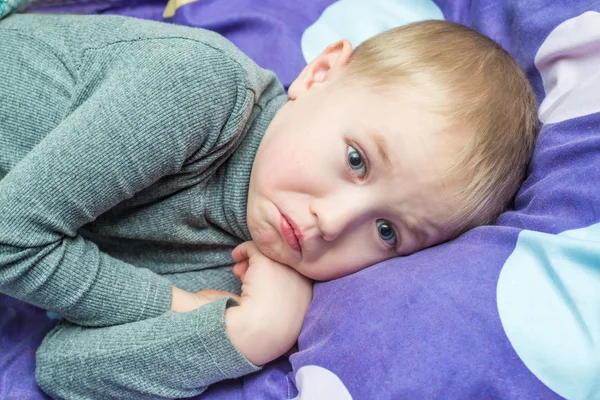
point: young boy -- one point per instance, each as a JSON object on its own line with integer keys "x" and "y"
{"x": 137, "y": 155}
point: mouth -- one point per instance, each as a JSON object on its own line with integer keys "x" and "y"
{"x": 291, "y": 233}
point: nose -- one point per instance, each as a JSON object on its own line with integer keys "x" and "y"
{"x": 337, "y": 214}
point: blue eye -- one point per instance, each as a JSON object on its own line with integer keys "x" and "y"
{"x": 386, "y": 232}
{"x": 356, "y": 162}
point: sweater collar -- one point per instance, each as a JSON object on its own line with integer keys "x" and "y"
{"x": 239, "y": 166}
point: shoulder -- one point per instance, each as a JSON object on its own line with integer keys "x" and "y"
{"x": 173, "y": 70}
{"x": 96, "y": 47}
{"x": 183, "y": 47}
{"x": 132, "y": 41}
{"x": 189, "y": 50}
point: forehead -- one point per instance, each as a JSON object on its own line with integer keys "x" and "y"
{"x": 403, "y": 126}
{"x": 401, "y": 108}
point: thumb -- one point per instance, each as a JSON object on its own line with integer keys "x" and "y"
{"x": 243, "y": 251}
{"x": 240, "y": 269}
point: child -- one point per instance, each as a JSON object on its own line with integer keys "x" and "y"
{"x": 137, "y": 155}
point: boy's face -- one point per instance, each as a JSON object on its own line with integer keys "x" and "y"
{"x": 345, "y": 177}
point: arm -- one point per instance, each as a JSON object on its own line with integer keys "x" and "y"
{"x": 267, "y": 320}
{"x": 179, "y": 354}
{"x": 170, "y": 356}
{"x": 274, "y": 302}
{"x": 97, "y": 157}
{"x": 268, "y": 317}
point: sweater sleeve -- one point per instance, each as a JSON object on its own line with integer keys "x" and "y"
{"x": 145, "y": 107}
{"x": 174, "y": 355}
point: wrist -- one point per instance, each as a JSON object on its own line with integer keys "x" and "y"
{"x": 258, "y": 336}
{"x": 182, "y": 301}
{"x": 240, "y": 333}
{"x": 249, "y": 336}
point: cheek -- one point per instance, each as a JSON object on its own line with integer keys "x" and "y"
{"x": 282, "y": 152}
{"x": 344, "y": 258}
{"x": 264, "y": 235}
{"x": 293, "y": 166}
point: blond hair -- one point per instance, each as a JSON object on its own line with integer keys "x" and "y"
{"x": 478, "y": 85}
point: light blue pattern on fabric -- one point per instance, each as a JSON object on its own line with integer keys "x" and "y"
{"x": 8, "y": 6}
{"x": 548, "y": 298}
{"x": 358, "y": 20}
{"x": 53, "y": 315}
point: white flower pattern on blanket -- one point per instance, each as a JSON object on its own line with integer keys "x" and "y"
{"x": 318, "y": 383}
{"x": 338, "y": 21}
{"x": 568, "y": 63}
{"x": 550, "y": 283}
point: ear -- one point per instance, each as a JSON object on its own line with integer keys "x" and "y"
{"x": 333, "y": 59}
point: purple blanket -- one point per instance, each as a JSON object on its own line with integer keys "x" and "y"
{"x": 510, "y": 311}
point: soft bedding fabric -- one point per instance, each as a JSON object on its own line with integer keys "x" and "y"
{"x": 507, "y": 311}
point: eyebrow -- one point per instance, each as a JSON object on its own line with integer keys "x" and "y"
{"x": 382, "y": 147}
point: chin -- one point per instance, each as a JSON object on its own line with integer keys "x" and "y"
{"x": 302, "y": 270}
{"x": 269, "y": 245}
{"x": 263, "y": 236}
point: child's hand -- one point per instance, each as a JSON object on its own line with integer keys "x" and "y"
{"x": 182, "y": 301}
{"x": 272, "y": 307}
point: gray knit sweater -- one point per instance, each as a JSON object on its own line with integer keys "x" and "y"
{"x": 125, "y": 155}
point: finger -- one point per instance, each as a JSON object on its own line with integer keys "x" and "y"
{"x": 213, "y": 294}
{"x": 243, "y": 251}
{"x": 234, "y": 296}
{"x": 240, "y": 268}
{"x": 239, "y": 253}
{"x": 222, "y": 293}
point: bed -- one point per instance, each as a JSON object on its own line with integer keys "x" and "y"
{"x": 509, "y": 311}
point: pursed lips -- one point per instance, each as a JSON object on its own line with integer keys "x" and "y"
{"x": 291, "y": 232}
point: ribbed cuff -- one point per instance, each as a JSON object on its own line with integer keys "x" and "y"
{"x": 159, "y": 296}
{"x": 174, "y": 355}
